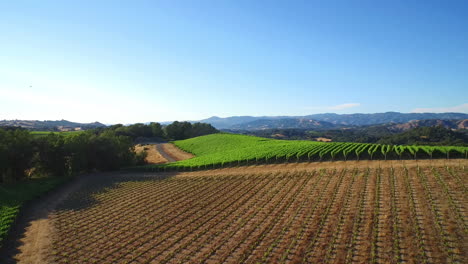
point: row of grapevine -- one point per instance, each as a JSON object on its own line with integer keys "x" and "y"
{"x": 225, "y": 150}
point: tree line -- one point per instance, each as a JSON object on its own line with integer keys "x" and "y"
{"x": 23, "y": 154}
{"x": 175, "y": 131}
{"x": 434, "y": 136}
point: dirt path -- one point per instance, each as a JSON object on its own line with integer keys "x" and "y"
{"x": 172, "y": 153}
{"x": 30, "y": 238}
{"x": 160, "y": 153}
{"x": 165, "y": 155}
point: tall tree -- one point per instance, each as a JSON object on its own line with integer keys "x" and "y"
{"x": 156, "y": 130}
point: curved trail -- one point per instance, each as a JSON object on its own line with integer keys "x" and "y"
{"x": 160, "y": 153}
{"x": 172, "y": 153}
{"x": 30, "y": 241}
{"x": 160, "y": 149}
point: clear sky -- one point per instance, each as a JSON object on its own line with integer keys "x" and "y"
{"x": 138, "y": 61}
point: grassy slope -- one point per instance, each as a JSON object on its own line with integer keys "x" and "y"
{"x": 13, "y": 197}
{"x": 226, "y": 143}
{"x": 224, "y": 149}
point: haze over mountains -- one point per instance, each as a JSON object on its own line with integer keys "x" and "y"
{"x": 325, "y": 121}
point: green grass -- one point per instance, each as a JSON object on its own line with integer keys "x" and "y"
{"x": 45, "y": 133}
{"x": 219, "y": 150}
{"x": 13, "y": 197}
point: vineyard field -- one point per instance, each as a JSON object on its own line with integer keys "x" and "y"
{"x": 332, "y": 215}
{"x": 221, "y": 150}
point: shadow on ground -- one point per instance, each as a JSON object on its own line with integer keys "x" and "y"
{"x": 77, "y": 194}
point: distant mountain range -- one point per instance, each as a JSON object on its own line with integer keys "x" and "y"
{"x": 324, "y": 121}
{"x": 49, "y": 125}
{"x": 393, "y": 120}
{"x": 283, "y": 123}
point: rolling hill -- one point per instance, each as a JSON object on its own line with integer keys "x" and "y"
{"x": 222, "y": 149}
{"x": 50, "y": 125}
{"x": 284, "y": 123}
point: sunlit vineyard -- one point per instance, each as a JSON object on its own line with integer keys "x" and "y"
{"x": 64, "y": 133}
{"x": 220, "y": 150}
{"x": 348, "y": 215}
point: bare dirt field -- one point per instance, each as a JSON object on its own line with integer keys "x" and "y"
{"x": 329, "y": 212}
{"x": 154, "y": 157}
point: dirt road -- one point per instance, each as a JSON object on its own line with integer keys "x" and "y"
{"x": 31, "y": 237}
{"x": 172, "y": 153}
{"x": 160, "y": 153}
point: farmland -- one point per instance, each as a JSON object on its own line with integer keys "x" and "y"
{"x": 332, "y": 215}
{"x": 45, "y": 133}
{"x": 366, "y": 210}
{"x": 220, "y": 150}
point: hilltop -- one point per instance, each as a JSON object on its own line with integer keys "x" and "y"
{"x": 50, "y": 125}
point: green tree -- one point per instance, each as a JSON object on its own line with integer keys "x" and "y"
{"x": 156, "y": 130}
{"x": 51, "y": 157}
{"x": 16, "y": 151}
{"x": 76, "y": 147}
{"x": 183, "y": 130}
{"x": 200, "y": 129}
{"x": 176, "y": 130}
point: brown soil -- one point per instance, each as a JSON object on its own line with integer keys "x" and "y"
{"x": 153, "y": 157}
{"x": 287, "y": 167}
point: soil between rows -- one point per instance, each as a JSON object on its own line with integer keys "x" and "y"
{"x": 189, "y": 215}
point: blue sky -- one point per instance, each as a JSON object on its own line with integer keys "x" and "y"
{"x": 138, "y": 61}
